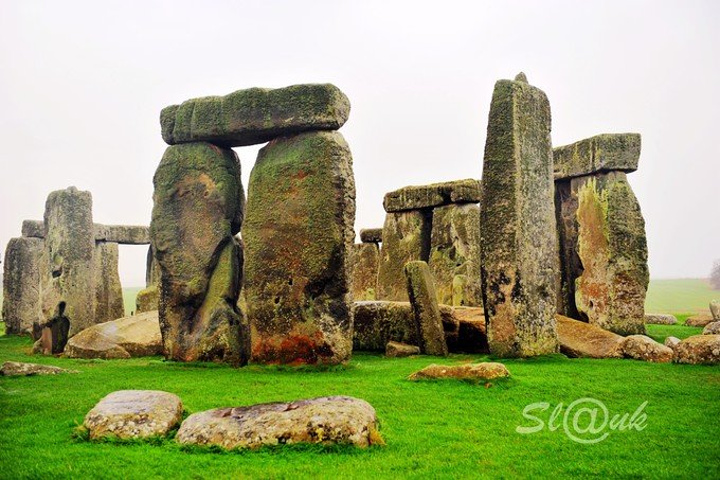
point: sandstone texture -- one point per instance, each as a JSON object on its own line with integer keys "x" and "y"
{"x": 134, "y": 336}
{"x": 699, "y": 320}
{"x": 601, "y": 153}
{"x": 109, "y": 303}
{"x": 363, "y": 270}
{"x": 371, "y": 235}
{"x": 198, "y": 208}
{"x": 324, "y": 420}
{"x": 517, "y": 223}
{"x": 580, "y": 339}
{"x": 255, "y": 115}
{"x": 477, "y": 371}
{"x": 11, "y": 369}
{"x": 22, "y": 272}
{"x": 397, "y": 350}
{"x": 122, "y": 234}
{"x": 641, "y": 347}
{"x": 672, "y": 342}
{"x": 417, "y": 197}
{"x": 660, "y": 319}
{"x": 33, "y": 228}
{"x": 298, "y": 236}
{"x": 148, "y": 298}
{"x": 423, "y": 300}
{"x": 715, "y": 309}
{"x": 134, "y": 414}
{"x": 699, "y": 349}
{"x": 712, "y": 328}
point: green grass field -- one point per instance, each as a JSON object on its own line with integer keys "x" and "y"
{"x": 687, "y": 295}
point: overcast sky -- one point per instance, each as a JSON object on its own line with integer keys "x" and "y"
{"x": 82, "y": 85}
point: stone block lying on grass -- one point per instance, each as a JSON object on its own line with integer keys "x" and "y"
{"x": 660, "y": 319}
{"x": 11, "y": 369}
{"x": 712, "y": 328}
{"x": 672, "y": 342}
{"x": 324, "y": 420}
{"x": 397, "y": 349}
{"x": 699, "y": 349}
{"x": 477, "y": 371}
{"x": 134, "y": 414}
{"x": 580, "y": 339}
{"x": 699, "y": 320}
{"x": 641, "y": 347}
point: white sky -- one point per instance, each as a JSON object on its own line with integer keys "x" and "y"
{"x": 82, "y": 85}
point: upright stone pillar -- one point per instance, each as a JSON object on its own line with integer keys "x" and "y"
{"x": 22, "y": 272}
{"x": 147, "y": 298}
{"x": 198, "y": 208}
{"x": 363, "y": 271}
{"x": 109, "y": 303}
{"x": 298, "y": 234}
{"x": 423, "y": 299}
{"x": 519, "y": 240}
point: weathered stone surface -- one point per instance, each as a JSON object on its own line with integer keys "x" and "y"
{"x": 660, "y": 319}
{"x": 134, "y": 336}
{"x": 396, "y": 350}
{"x": 134, "y": 414}
{"x": 476, "y": 371}
{"x": 566, "y": 206}
{"x": 601, "y": 153}
{"x": 612, "y": 248}
{"x": 423, "y": 299}
{"x": 371, "y": 235}
{"x": 519, "y": 240}
{"x": 22, "y": 271}
{"x": 455, "y": 254}
{"x": 255, "y": 115}
{"x": 10, "y": 369}
{"x": 68, "y": 285}
{"x": 325, "y": 420}
{"x": 199, "y": 204}
{"x": 580, "y": 339}
{"x": 641, "y": 347}
{"x": 699, "y": 349}
{"x": 108, "y": 290}
{"x": 33, "y": 228}
{"x": 415, "y": 197}
{"x": 699, "y": 320}
{"x": 406, "y": 237}
{"x": 364, "y": 259}
{"x": 471, "y": 333}
{"x": 148, "y": 298}
{"x": 712, "y": 328}
{"x": 298, "y": 235}
{"x": 715, "y": 309}
{"x": 122, "y": 234}
{"x": 672, "y": 342}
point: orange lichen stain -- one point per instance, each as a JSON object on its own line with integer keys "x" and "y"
{"x": 294, "y": 350}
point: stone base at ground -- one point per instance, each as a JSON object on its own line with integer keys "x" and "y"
{"x": 712, "y": 328}
{"x": 423, "y": 299}
{"x": 699, "y": 349}
{"x": 672, "y": 342}
{"x": 641, "y": 347}
{"x": 11, "y": 369}
{"x": 660, "y": 319}
{"x": 395, "y": 350}
{"x": 134, "y": 336}
{"x": 699, "y": 320}
{"x": 477, "y": 371}
{"x": 580, "y": 339}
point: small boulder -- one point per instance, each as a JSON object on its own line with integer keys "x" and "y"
{"x": 672, "y": 342}
{"x": 641, "y": 347}
{"x": 699, "y": 349}
{"x": 470, "y": 371}
{"x": 134, "y": 336}
{"x": 13, "y": 369}
{"x": 715, "y": 309}
{"x": 397, "y": 349}
{"x": 699, "y": 320}
{"x": 581, "y": 339}
{"x": 134, "y": 414}
{"x": 660, "y": 319}
{"x": 712, "y": 328}
{"x": 325, "y": 420}
{"x": 371, "y": 235}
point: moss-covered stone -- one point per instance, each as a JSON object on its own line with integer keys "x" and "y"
{"x": 298, "y": 235}
{"x": 455, "y": 254}
{"x": 364, "y": 260}
{"x": 33, "y": 228}
{"x": 371, "y": 235}
{"x": 601, "y": 153}
{"x": 519, "y": 244}
{"x": 108, "y": 290}
{"x": 198, "y": 208}
{"x": 415, "y": 197}
{"x": 122, "y": 234}
{"x": 612, "y": 247}
{"x": 22, "y": 272}
{"x": 147, "y": 299}
{"x": 423, "y": 299}
{"x": 255, "y": 115}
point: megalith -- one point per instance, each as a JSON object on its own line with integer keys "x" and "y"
{"x": 517, "y": 223}
{"x": 298, "y": 234}
{"x": 147, "y": 299}
{"x": 108, "y": 291}
{"x": 363, "y": 271}
{"x": 22, "y": 271}
{"x": 423, "y": 300}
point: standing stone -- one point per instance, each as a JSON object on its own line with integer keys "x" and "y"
{"x": 612, "y": 247}
{"x": 108, "y": 291}
{"x": 455, "y": 254}
{"x": 298, "y": 235}
{"x": 520, "y": 257}
{"x": 21, "y": 284}
{"x": 33, "y": 228}
{"x": 198, "y": 209}
{"x": 68, "y": 286}
{"x": 406, "y": 238}
{"x": 364, "y": 259}
{"x": 147, "y": 298}
{"x": 423, "y": 299}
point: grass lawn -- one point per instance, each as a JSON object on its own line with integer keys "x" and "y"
{"x": 685, "y": 295}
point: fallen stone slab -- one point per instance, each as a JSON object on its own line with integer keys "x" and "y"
{"x": 371, "y": 235}
{"x": 134, "y": 414}
{"x": 715, "y": 309}
{"x": 13, "y": 369}
{"x": 476, "y": 371}
{"x": 601, "y": 153}
{"x": 415, "y": 197}
{"x": 122, "y": 234}
{"x": 396, "y": 350}
{"x": 699, "y": 349}
{"x": 660, "y": 319}
{"x": 255, "y": 115}
{"x": 672, "y": 342}
{"x": 581, "y": 339}
{"x": 324, "y": 420}
{"x": 712, "y": 328}
{"x": 642, "y": 347}
{"x": 134, "y": 336}
{"x": 423, "y": 299}
{"x": 699, "y": 320}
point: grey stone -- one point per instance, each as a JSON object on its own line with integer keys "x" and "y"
{"x": 423, "y": 299}
{"x": 371, "y": 235}
{"x": 712, "y": 328}
{"x": 134, "y": 336}
{"x": 671, "y": 342}
{"x": 25, "y": 262}
{"x": 364, "y": 258}
{"x": 397, "y": 350}
{"x": 660, "y": 319}
{"x": 109, "y": 303}
{"x": 417, "y": 197}
{"x": 122, "y": 234}
{"x": 715, "y": 309}
{"x": 33, "y": 228}
{"x": 642, "y": 347}
{"x": 598, "y": 154}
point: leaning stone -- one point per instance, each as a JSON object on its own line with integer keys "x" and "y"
{"x": 364, "y": 258}
{"x": 519, "y": 240}
{"x": 598, "y": 154}
{"x": 199, "y": 204}
{"x": 660, "y": 319}
{"x": 324, "y": 420}
{"x": 134, "y": 336}
{"x": 109, "y": 303}
{"x": 134, "y": 414}
{"x": 406, "y": 237}
{"x": 371, "y": 235}
{"x": 672, "y": 342}
{"x": 699, "y": 349}
{"x": 417, "y": 197}
{"x": 255, "y": 115}
{"x": 10, "y": 369}
{"x": 33, "y": 228}
{"x": 699, "y": 320}
{"x": 123, "y": 234}
{"x": 23, "y": 268}
{"x": 641, "y": 347}
{"x": 396, "y": 350}
{"x": 298, "y": 235}
{"x": 455, "y": 254}
{"x": 712, "y": 328}
{"x": 423, "y": 299}
{"x": 715, "y": 309}
{"x": 477, "y": 371}
{"x": 580, "y": 339}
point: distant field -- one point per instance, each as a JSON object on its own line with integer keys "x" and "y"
{"x": 686, "y": 295}
{"x": 129, "y": 295}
